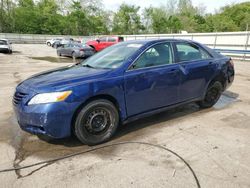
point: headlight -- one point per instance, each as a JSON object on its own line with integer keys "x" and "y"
{"x": 49, "y": 97}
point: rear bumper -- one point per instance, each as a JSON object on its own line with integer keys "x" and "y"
{"x": 230, "y": 76}
{"x": 83, "y": 54}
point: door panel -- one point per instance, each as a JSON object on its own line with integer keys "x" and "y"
{"x": 146, "y": 90}
{"x": 196, "y": 69}
{"x": 152, "y": 81}
{"x": 194, "y": 78}
{"x": 103, "y": 43}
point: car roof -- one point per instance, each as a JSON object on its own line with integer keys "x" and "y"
{"x": 152, "y": 41}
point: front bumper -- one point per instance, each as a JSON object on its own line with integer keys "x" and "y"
{"x": 5, "y": 50}
{"x": 52, "y": 119}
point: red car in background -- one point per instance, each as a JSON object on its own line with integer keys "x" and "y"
{"x": 104, "y": 42}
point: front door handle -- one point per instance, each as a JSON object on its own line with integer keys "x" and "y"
{"x": 173, "y": 71}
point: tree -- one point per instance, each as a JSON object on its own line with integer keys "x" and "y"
{"x": 127, "y": 20}
{"x": 88, "y": 17}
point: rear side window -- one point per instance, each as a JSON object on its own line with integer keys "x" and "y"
{"x": 190, "y": 52}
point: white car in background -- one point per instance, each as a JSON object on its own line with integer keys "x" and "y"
{"x": 52, "y": 41}
{"x": 5, "y": 46}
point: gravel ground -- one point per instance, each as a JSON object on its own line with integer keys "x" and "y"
{"x": 215, "y": 142}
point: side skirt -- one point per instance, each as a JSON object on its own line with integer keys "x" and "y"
{"x": 158, "y": 110}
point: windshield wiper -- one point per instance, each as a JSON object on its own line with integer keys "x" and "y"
{"x": 87, "y": 65}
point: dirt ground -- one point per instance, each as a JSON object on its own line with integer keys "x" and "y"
{"x": 215, "y": 142}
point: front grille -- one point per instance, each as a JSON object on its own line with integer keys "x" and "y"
{"x": 18, "y": 97}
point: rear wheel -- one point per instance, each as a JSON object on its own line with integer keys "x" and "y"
{"x": 59, "y": 54}
{"x": 48, "y": 43}
{"x": 212, "y": 95}
{"x": 96, "y": 122}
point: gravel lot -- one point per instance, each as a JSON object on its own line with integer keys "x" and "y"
{"x": 215, "y": 142}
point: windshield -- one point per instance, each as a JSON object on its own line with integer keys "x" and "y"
{"x": 112, "y": 57}
{"x": 3, "y": 42}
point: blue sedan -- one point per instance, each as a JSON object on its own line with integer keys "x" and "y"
{"x": 122, "y": 83}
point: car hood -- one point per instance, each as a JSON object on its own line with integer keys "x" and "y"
{"x": 62, "y": 77}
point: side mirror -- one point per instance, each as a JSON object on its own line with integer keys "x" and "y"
{"x": 10, "y": 42}
{"x": 98, "y": 40}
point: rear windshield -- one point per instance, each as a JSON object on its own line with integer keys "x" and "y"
{"x": 112, "y": 57}
{"x": 3, "y": 42}
{"x": 120, "y": 39}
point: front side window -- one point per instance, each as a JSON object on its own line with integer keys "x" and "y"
{"x": 103, "y": 39}
{"x": 190, "y": 52}
{"x": 111, "y": 39}
{"x": 160, "y": 54}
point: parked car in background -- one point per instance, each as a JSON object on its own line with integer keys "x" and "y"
{"x": 122, "y": 83}
{"x": 52, "y": 41}
{"x": 75, "y": 50}
{"x": 104, "y": 42}
{"x": 5, "y": 46}
{"x": 62, "y": 42}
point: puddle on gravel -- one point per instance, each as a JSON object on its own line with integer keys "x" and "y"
{"x": 226, "y": 99}
{"x": 56, "y": 59}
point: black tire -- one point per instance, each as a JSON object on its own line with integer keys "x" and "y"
{"x": 10, "y": 51}
{"x": 212, "y": 95}
{"x": 48, "y": 43}
{"x": 96, "y": 122}
{"x": 59, "y": 54}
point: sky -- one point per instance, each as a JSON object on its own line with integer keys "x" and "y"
{"x": 211, "y": 5}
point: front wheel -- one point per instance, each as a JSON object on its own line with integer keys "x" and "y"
{"x": 212, "y": 95}
{"x": 96, "y": 122}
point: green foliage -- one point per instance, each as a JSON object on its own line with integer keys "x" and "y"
{"x": 127, "y": 20}
{"x": 87, "y": 17}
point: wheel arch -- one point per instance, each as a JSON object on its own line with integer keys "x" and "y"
{"x": 218, "y": 77}
{"x": 107, "y": 97}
